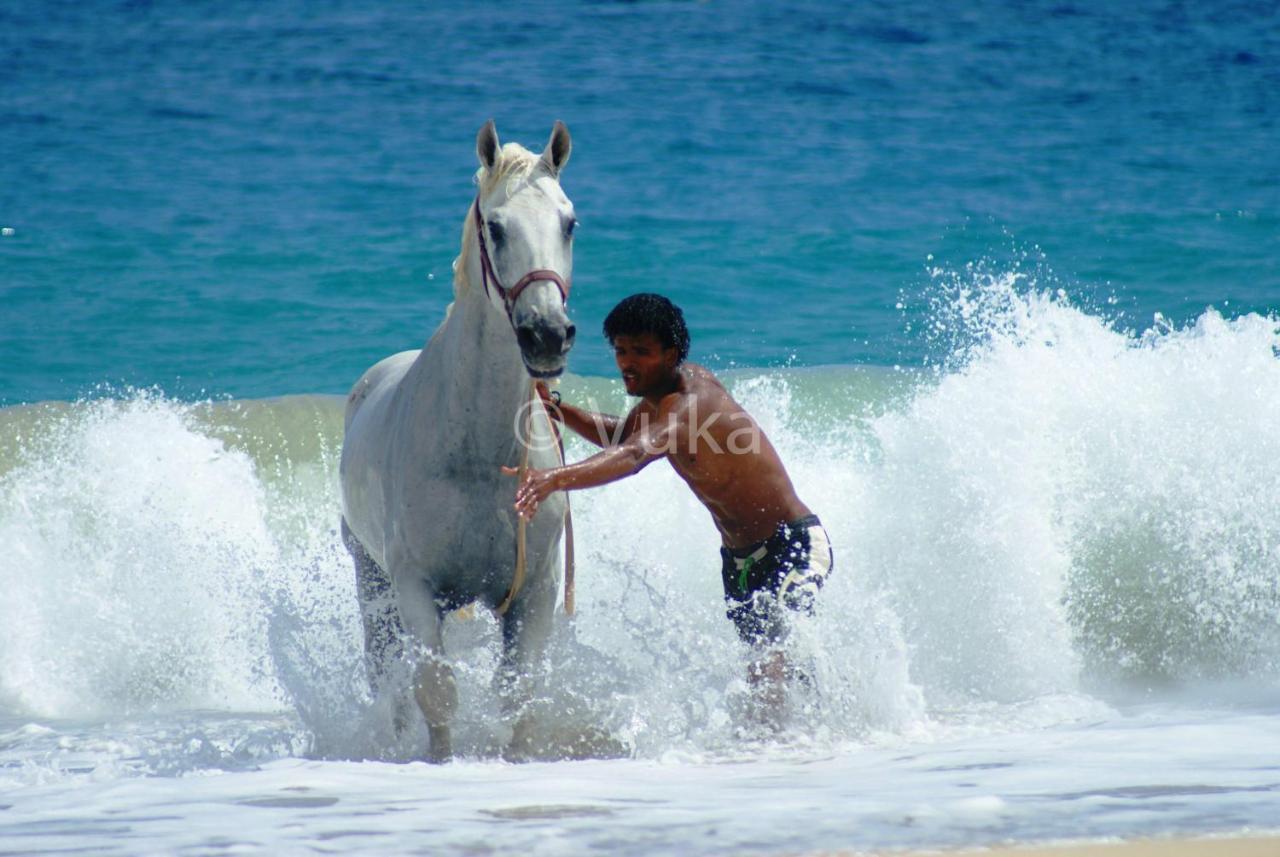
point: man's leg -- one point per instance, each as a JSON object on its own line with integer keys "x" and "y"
{"x": 763, "y": 595}
{"x": 767, "y": 676}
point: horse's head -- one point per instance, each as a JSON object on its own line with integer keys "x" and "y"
{"x": 524, "y": 224}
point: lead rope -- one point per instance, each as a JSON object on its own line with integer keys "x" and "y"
{"x": 568, "y": 530}
{"x": 517, "y": 581}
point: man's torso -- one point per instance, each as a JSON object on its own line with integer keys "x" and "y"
{"x": 724, "y": 457}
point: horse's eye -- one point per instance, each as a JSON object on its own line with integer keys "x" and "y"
{"x": 499, "y": 234}
{"x": 570, "y": 225}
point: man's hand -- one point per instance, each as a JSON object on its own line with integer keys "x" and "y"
{"x": 551, "y": 404}
{"x": 537, "y": 486}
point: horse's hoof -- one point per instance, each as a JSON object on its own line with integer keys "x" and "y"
{"x": 516, "y": 756}
{"x": 441, "y": 747}
{"x": 521, "y": 747}
{"x": 593, "y": 743}
{"x": 573, "y": 743}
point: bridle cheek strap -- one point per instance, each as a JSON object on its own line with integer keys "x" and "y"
{"x": 489, "y": 275}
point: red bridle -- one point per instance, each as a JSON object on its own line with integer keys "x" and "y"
{"x": 488, "y": 274}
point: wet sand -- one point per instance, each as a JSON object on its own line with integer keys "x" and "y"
{"x": 1240, "y": 845}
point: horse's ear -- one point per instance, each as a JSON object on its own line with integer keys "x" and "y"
{"x": 487, "y": 145}
{"x": 556, "y": 154}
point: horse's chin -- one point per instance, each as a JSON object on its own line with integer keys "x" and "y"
{"x": 544, "y": 374}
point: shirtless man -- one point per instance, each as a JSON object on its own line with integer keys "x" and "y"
{"x": 775, "y": 552}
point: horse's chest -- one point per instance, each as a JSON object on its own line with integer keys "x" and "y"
{"x": 472, "y": 523}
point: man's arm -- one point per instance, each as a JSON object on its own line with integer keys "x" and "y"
{"x": 647, "y": 443}
{"x": 603, "y": 430}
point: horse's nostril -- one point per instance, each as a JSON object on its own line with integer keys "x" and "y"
{"x": 527, "y": 337}
{"x": 545, "y": 341}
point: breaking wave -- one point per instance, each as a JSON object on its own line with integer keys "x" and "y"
{"x": 1057, "y": 505}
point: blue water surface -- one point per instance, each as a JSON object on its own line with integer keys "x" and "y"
{"x": 253, "y": 199}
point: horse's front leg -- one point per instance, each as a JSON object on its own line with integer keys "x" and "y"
{"x": 526, "y": 627}
{"x": 433, "y": 684}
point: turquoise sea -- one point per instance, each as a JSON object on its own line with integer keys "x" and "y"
{"x": 999, "y": 281}
{"x": 249, "y": 199}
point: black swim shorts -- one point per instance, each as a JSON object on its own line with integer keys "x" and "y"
{"x": 785, "y": 570}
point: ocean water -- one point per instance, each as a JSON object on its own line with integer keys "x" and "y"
{"x": 998, "y": 282}
{"x": 261, "y": 199}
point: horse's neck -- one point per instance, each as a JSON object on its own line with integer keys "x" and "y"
{"x": 472, "y": 367}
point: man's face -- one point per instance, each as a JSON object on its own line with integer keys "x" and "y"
{"x": 645, "y": 365}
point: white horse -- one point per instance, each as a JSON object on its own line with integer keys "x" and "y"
{"x": 427, "y": 513}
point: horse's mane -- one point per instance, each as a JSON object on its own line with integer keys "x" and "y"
{"x": 514, "y": 163}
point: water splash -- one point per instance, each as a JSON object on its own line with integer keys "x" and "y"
{"x": 1082, "y": 497}
{"x": 1057, "y": 503}
{"x": 137, "y": 549}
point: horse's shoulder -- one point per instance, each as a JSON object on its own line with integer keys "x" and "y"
{"x": 395, "y": 365}
{"x": 386, "y": 371}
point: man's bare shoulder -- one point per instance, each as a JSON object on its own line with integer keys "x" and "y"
{"x": 702, "y": 386}
{"x": 699, "y": 380}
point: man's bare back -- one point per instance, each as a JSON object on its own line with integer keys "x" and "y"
{"x": 722, "y": 454}
{"x": 686, "y": 416}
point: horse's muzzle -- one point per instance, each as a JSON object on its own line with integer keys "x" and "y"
{"x": 544, "y": 346}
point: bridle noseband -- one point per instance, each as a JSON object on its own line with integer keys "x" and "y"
{"x": 509, "y": 296}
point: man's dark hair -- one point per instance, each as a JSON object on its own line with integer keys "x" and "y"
{"x": 649, "y": 313}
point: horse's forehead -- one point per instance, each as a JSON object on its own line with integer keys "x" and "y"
{"x": 532, "y": 193}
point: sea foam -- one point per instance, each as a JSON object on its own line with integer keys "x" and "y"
{"x": 1056, "y": 506}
